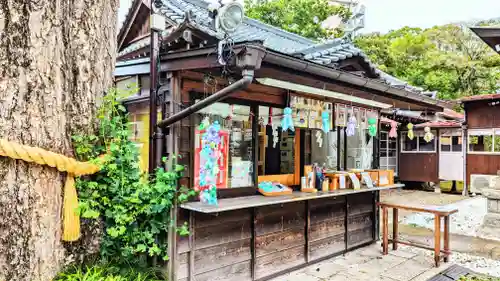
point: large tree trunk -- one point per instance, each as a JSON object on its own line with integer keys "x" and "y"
{"x": 56, "y": 60}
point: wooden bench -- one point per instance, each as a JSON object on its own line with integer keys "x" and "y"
{"x": 438, "y": 211}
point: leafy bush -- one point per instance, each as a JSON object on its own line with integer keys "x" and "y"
{"x": 135, "y": 209}
{"x": 107, "y": 273}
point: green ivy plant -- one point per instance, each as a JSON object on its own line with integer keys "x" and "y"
{"x": 135, "y": 208}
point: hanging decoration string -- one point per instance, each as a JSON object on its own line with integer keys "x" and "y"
{"x": 73, "y": 168}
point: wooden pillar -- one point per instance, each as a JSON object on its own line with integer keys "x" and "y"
{"x": 172, "y": 145}
{"x": 255, "y": 143}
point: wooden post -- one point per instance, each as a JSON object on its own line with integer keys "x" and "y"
{"x": 385, "y": 230}
{"x": 446, "y": 237}
{"x": 394, "y": 228}
{"x": 191, "y": 245}
{"x": 437, "y": 238}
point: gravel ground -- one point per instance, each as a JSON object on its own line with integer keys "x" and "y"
{"x": 474, "y": 263}
{"x": 466, "y": 222}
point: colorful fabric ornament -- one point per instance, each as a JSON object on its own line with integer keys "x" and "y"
{"x": 209, "y": 157}
{"x": 204, "y": 123}
{"x": 429, "y": 136}
{"x": 393, "y": 133}
{"x": 325, "y": 116}
{"x": 351, "y": 126}
{"x": 372, "y": 127}
{"x": 287, "y": 121}
{"x": 411, "y": 135}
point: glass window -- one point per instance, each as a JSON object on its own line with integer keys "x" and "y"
{"x": 456, "y": 143}
{"x": 388, "y": 152}
{"x": 326, "y": 154}
{"x": 481, "y": 140}
{"x": 408, "y": 144}
{"x": 423, "y": 145}
{"x": 276, "y": 148}
{"x": 418, "y": 143}
{"x": 236, "y": 123}
{"x": 445, "y": 143}
{"x": 359, "y": 150}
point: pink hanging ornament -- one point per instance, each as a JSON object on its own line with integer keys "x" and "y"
{"x": 393, "y": 133}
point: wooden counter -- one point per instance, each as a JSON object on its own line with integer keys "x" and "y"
{"x": 258, "y": 238}
{"x": 231, "y": 204}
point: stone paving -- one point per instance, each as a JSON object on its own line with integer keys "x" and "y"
{"x": 368, "y": 264}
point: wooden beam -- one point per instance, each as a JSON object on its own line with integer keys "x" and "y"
{"x": 249, "y": 94}
{"x": 268, "y": 71}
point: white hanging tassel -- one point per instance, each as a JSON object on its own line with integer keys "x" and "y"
{"x": 319, "y": 138}
{"x": 275, "y": 135}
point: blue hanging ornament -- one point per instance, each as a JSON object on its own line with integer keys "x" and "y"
{"x": 351, "y": 126}
{"x": 325, "y": 117}
{"x": 287, "y": 122}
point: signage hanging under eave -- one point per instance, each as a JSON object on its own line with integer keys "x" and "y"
{"x": 325, "y": 93}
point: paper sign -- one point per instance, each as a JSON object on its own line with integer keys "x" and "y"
{"x": 367, "y": 179}
{"x": 342, "y": 181}
{"x": 355, "y": 181}
{"x": 383, "y": 180}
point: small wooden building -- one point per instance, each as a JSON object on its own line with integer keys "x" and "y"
{"x": 482, "y": 118}
{"x": 260, "y": 73}
{"x": 438, "y": 160}
{"x": 483, "y": 125}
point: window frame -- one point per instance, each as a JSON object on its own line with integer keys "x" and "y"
{"x": 450, "y": 134}
{"x": 404, "y": 135}
{"x": 291, "y": 179}
{"x": 384, "y": 136}
{"x": 493, "y": 132}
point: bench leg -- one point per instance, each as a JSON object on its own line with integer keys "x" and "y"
{"x": 394, "y": 228}
{"x": 385, "y": 230}
{"x": 446, "y": 238}
{"x": 437, "y": 238}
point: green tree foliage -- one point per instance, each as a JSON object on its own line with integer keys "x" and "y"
{"x": 303, "y": 17}
{"x": 449, "y": 59}
{"x": 134, "y": 209}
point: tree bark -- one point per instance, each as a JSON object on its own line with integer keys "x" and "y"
{"x": 56, "y": 60}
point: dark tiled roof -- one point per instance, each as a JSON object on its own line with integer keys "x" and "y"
{"x": 330, "y": 53}
{"x": 251, "y": 30}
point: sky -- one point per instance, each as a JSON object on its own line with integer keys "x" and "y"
{"x": 385, "y": 15}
